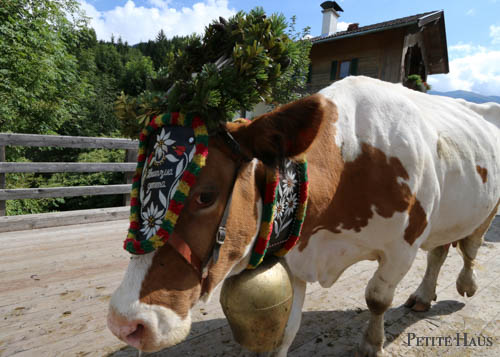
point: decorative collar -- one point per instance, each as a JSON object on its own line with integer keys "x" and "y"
{"x": 284, "y": 210}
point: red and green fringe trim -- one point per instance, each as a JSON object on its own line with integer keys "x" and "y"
{"x": 268, "y": 213}
{"x": 188, "y": 179}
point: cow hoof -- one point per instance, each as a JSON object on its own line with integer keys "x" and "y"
{"x": 417, "y": 304}
{"x": 367, "y": 350}
{"x": 466, "y": 283}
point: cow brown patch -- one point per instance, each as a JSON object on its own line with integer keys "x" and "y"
{"x": 483, "y": 172}
{"x": 348, "y": 198}
{"x": 418, "y": 221}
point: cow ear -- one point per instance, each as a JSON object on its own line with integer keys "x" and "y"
{"x": 287, "y": 131}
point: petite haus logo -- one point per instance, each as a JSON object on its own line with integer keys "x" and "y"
{"x": 459, "y": 340}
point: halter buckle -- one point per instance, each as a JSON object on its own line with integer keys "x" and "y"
{"x": 221, "y": 235}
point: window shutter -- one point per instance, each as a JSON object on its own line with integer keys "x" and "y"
{"x": 333, "y": 70}
{"x": 354, "y": 66}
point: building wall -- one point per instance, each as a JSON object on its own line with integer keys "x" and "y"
{"x": 379, "y": 56}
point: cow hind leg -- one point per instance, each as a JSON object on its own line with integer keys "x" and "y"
{"x": 421, "y": 299}
{"x": 379, "y": 294}
{"x": 466, "y": 281}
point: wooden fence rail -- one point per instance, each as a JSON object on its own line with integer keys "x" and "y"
{"x": 46, "y": 167}
{"x": 8, "y": 139}
{"x": 46, "y": 192}
{"x": 82, "y": 142}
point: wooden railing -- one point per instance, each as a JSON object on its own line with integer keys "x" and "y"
{"x": 127, "y": 167}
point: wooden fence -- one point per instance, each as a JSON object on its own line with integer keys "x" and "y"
{"x": 44, "y": 220}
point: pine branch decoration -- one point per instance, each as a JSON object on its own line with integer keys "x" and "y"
{"x": 234, "y": 66}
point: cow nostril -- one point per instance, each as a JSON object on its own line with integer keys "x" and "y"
{"x": 134, "y": 338}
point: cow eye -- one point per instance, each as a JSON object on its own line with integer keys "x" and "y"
{"x": 205, "y": 199}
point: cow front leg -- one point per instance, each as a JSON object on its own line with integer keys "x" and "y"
{"x": 378, "y": 295}
{"x": 421, "y": 299}
{"x": 293, "y": 324}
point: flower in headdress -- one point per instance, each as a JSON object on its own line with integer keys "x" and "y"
{"x": 280, "y": 208}
{"x": 291, "y": 203}
{"x": 151, "y": 220}
{"x": 289, "y": 182}
{"x": 163, "y": 141}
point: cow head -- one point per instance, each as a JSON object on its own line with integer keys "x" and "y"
{"x": 150, "y": 310}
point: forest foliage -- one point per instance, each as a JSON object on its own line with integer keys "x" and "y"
{"x": 57, "y": 78}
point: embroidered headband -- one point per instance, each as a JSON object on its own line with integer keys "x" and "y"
{"x": 153, "y": 214}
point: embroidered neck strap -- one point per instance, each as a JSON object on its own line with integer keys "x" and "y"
{"x": 269, "y": 212}
{"x": 188, "y": 179}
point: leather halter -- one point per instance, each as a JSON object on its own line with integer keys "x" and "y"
{"x": 180, "y": 246}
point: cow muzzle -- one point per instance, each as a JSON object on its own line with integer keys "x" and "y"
{"x": 150, "y": 330}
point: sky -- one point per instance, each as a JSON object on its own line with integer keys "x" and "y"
{"x": 472, "y": 27}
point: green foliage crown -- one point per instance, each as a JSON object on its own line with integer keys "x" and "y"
{"x": 234, "y": 66}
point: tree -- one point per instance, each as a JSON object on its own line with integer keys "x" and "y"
{"x": 137, "y": 72}
{"x": 292, "y": 83}
{"x": 38, "y": 68}
{"x": 55, "y": 78}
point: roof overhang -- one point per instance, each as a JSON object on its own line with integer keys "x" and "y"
{"x": 434, "y": 36}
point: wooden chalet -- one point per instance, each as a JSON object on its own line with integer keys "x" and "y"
{"x": 390, "y": 50}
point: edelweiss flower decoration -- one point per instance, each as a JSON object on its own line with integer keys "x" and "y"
{"x": 151, "y": 220}
{"x": 280, "y": 208}
{"x": 289, "y": 182}
{"x": 291, "y": 203}
{"x": 161, "y": 147}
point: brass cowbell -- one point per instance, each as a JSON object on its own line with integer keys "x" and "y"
{"x": 257, "y": 304}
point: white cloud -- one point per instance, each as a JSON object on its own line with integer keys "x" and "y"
{"x": 495, "y": 34}
{"x": 342, "y": 26}
{"x": 464, "y": 49}
{"x": 472, "y": 68}
{"x": 138, "y": 23}
{"x": 159, "y": 3}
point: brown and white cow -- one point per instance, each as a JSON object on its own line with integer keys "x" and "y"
{"x": 390, "y": 171}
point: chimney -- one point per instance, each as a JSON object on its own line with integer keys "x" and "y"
{"x": 330, "y": 16}
{"x": 353, "y": 27}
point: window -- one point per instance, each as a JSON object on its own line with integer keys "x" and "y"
{"x": 333, "y": 70}
{"x": 344, "y": 69}
{"x": 348, "y": 68}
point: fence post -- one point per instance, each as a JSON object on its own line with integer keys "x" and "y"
{"x": 3, "y": 209}
{"x": 130, "y": 156}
